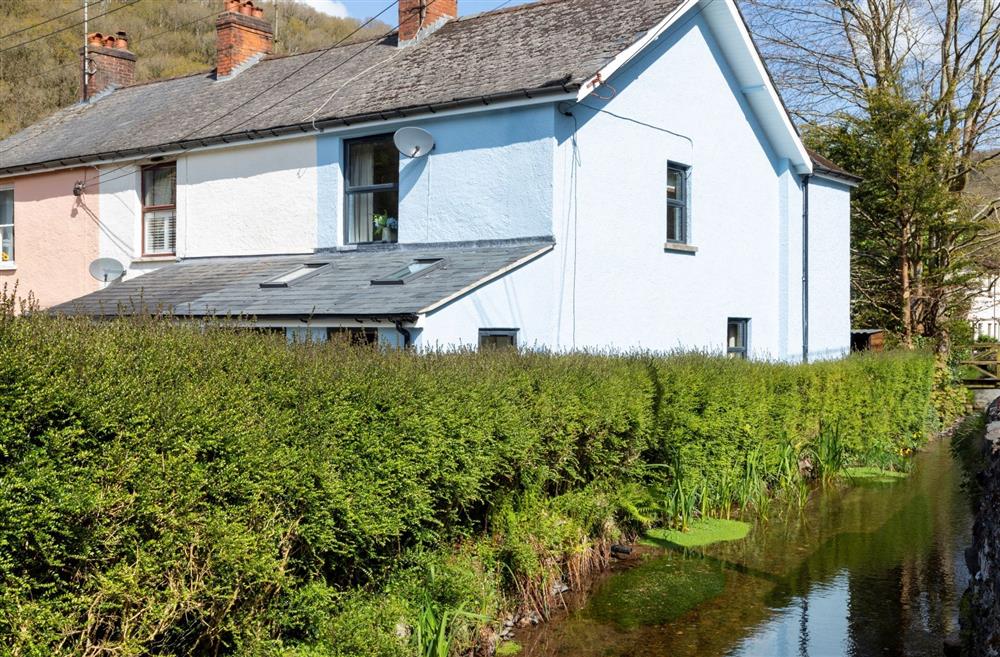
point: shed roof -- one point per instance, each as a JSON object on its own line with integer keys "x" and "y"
{"x": 231, "y": 286}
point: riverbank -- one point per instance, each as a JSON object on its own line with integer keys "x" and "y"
{"x": 187, "y": 490}
{"x": 872, "y": 566}
{"x": 981, "y": 620}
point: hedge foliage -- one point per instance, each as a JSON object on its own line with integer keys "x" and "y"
{"x": 170, "y": 491}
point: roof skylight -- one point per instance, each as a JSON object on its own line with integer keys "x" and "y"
{"x": 300, "y": 272}
{"x": 409, "y": 272}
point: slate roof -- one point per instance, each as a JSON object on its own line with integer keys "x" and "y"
{"x": 544, "y": 47}
{"x": 822, "y": 165}
{"x": 230, "y": 286}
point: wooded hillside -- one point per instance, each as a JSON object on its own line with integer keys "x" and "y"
{"x": 170, "y": 37}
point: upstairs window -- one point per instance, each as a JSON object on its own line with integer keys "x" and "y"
{"x": 6, "y": 225}
{"x": 372, "y": 190}
{"x": 738, "y": 338}
{"x": 677, "y": 203}
{"x": 159, "y": 209}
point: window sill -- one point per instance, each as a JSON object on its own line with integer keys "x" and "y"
{"x": 156, "y": 258}
{"x": 678, "y": 247}
{"x": 8, "y": 266}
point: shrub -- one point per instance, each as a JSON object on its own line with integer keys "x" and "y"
{"x": 173, "y": 490}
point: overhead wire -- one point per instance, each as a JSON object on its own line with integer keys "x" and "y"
{"x": 271, "y": 87}
{"x": 47, "y": 21}
{"x": 132, "y": 3}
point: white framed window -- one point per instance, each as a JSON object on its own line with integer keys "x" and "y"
{"x": 678, "y": 203}
{"x": 738, "y": 337}
{"x": 498, "y": 338}
{"x": 159, "y": 209}
{"x": 7, "y": 224}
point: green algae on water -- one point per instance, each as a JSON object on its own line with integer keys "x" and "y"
{"x": 875, "y": 475}
{"x": 700, "y": 533}
{"x": 508, "y": 648}
{"x": 656, "y": 592}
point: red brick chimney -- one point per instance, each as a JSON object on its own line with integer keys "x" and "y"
{"x": 241, "y": 34}
{"x": 416, "y": 15}
{"x": 109, "y": 63}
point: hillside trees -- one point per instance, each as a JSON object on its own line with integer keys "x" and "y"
{"x": 170, "y": 38}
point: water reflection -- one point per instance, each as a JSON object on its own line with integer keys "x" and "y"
{"x": 875, "y": 569}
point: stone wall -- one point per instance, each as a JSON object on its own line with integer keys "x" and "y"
{"x": 981, "y": 618}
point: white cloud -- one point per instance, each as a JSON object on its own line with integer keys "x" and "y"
{"x": 329, "y": 7}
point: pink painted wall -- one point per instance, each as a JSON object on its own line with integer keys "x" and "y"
{"x": 55, "y": 237}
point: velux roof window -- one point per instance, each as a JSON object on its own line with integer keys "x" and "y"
{"x": 409, "y": 272}
{"x": 295, "y": 275}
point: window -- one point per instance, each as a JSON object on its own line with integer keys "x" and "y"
{"x": 497, "y": 338}
{"x": 409, "y": 272}
{"x": 357, "y": 335}
{"x": 159, "y": 209}
{"x": 738, "y": 338}
{"x": 372, "y": 190}
{"x": 677, "y": 203}
{"x": 7, "y": 225}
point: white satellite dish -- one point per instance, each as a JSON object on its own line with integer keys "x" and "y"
{"x": 413, "y": 142}
{"x": 106, "y": 269}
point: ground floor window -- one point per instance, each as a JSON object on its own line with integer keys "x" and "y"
{"x": 497, "y": 338}
{"x": 354, "y": 335}
{"x": 738, "y": 337}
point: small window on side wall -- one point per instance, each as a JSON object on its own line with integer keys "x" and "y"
{"x": 678, "y": 206}
{"x": 738, "y": 338}
{"x": 497, "y": 338}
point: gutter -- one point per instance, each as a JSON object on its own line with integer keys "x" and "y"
{"x": 245, "y": 136}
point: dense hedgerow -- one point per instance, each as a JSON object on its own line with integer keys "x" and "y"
{"x": 170, "y": 491}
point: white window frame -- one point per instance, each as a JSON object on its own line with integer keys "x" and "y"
{"x": 13, "y": 250}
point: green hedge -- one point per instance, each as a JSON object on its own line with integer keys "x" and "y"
{"x": 170, "y": 491}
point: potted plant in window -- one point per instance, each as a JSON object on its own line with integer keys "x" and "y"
{"x": 385, "y": 226}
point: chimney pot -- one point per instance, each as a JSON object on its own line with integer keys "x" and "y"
{"x": 110, "y": 63}
{"x": 241, "y": 33}
{"x": 417, "y": 15}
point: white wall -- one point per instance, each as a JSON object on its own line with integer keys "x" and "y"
{"x": 629, "y": 290}
{"x": 249, "y": 200}
{"x": 829, "y": 269}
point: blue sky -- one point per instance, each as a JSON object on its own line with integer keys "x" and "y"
{"x": 367, "y": 8}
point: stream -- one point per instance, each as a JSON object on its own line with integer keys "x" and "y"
{"x": 872, "y": 568}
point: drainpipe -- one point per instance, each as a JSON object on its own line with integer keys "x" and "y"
{"x": 405, "y": 332}
{"x": 805, "y": 268}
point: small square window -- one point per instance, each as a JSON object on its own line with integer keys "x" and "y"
{"x": 498, "y": 338}
{"x": 678, "y": 207}
{"x": 738, "y": 338}
{"x": 357, "y": 335}
{"x": 299, "y": 273}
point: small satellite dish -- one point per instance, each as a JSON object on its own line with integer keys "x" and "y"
{"x": 413, "y": 142}
{"x": 106, "y": 269}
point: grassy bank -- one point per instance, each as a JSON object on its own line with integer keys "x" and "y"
{"x": 175, "y": 492}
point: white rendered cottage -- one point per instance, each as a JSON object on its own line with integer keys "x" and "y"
{"x": 606, "y": 174}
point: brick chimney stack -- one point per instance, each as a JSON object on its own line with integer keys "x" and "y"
{"x": 241, "y": 34}
{"x": 109, "y": 63}
{"x": 417, "y": 15}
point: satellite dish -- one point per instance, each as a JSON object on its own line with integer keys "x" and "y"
{"x": 106, "y": 269}
{"x": 413, "y": 142}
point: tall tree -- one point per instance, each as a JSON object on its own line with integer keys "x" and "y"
{"x": 906, "y": 92}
